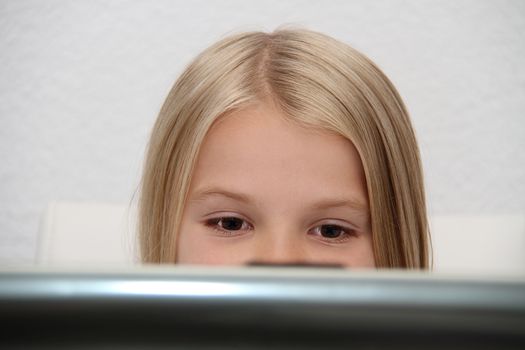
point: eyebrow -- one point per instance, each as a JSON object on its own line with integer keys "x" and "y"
{"x": 340, "y": 202}
{"x": 215, "y": 191}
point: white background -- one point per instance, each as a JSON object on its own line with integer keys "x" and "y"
{"x": 81, "y": 83}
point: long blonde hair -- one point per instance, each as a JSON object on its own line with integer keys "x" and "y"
{"x": 315, "y": 80}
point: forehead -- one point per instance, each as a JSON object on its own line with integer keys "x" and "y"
{"x": 257, "y": 150}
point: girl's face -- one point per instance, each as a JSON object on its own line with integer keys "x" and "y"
{"x": 270, "y": 191}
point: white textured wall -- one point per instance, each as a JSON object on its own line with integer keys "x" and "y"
{"x": 81, "y": 83}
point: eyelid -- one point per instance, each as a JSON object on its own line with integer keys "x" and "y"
{"x": 226, "y": 214}
{"x": 336, "y": 222}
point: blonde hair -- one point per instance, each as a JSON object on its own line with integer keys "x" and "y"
{"x": 315, "y": 80}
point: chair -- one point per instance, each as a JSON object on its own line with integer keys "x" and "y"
{"x": 102, "y": 233}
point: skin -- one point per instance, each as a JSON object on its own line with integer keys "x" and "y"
{"x": 271, "y": 191}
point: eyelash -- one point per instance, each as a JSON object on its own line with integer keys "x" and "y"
{"x": 347, "y": 233}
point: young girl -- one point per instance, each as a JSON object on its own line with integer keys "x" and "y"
{"x": 287, "y": 147}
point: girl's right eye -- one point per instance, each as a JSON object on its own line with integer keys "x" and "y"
{"x": 228, "y": 224}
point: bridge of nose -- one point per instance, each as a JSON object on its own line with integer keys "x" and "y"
{"x": 279, "y": 247}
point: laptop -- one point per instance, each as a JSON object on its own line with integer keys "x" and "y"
{"x": 258, "y": 307}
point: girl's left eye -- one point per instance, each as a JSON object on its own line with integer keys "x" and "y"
{"x": 332, "y": 233}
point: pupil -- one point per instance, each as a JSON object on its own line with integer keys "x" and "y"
{"x": 330, "y": 231}
{"x": 231, "y": 224}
